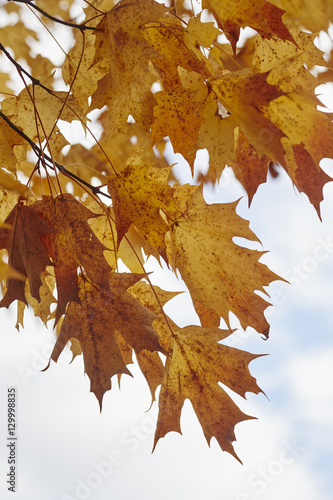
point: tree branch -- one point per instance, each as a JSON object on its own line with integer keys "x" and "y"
{"x": 42, "y": 156}
{"x": 81, "y": 27}
{"x": 20, "y": 69}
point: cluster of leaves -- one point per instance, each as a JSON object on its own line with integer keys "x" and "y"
{"x": 150, "y": 75}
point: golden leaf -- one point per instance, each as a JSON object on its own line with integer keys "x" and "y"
{"x": 220, "y": 275}
{"x": 260, "y": 15}
{"x": 196, "y": 365}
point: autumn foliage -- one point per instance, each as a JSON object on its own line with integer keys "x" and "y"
{"x": 140, "y": 77}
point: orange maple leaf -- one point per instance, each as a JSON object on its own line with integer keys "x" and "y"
{"x": 21, "y": 235}
{"x": 194, "y": 368}
{"x": 95, "y": 321}
{"x": 259, "y": 15}
{"x": 249, "y": 169}
{"x": 72, "y": 244}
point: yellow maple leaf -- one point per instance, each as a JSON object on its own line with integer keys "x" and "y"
{"x": 80, "y": 72}
{"x": 177, "y": 47}
{"x": 217, "y": 135}
{"x": 41, "y": 308}
{"x": 314, "y": 17}
{"x": 35, "y": 104}
{"x": 138, "y": 198}
{"x": 16, "y": 39}
{"x": 125, "y": 88}
{"x": 301, "y": 122}
{"x": 9, "y": 183}
{"x": 177, "y": 115}
{"x": 285, "y": 60}
{"x": 247, "y": 95}
{"x": 194, "y": 368}
{"x": 220, "y": 275}
{"x": 8, "y": 139}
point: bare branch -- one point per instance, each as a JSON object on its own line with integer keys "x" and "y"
{"x": 81, "y": 27}
{"x": 20, "y": 69}
{"x": 43, "y": 157}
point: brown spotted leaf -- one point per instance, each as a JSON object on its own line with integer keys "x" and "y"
{"x": 95, "y": 321}
{"x": 140, "y": 196}
{"x": 177, "y": 115}
{"x": 125, "y": 88}
{"x": 72, "y": 244}
{"x": 247, "y": 96}
{"x": 21, "y": 235}
{"x": 221, "y": 276}
{"x": 154, "y": 298}
{"x": 196, "y": 365}
{"x": 249, "y": 169}
{"x": 260, "y": 15}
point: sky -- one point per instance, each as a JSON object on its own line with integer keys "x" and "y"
{"x": 66, "y": 449}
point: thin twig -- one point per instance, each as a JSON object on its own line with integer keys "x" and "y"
{"x": 46, "y": 158}
{"x": 20, "y": 69}
{"x": 81, "y": 27}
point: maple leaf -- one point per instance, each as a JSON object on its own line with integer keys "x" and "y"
{"x": 303, "y": 150}
{"x": 194, "y": 368}
{"x": 8, "y": 182}
{"x": 260, "y": 15}
{"x": 41, "y": 308}
{"x": 226, "y": 275}
{"x": 177, "y": 116}
{"x": 21, "y": 237}
{"x": 247, "y": 96}
{"x": 154, "y": 298}
{"x": 72, "y": 244}
{"x": 286, "y": 61}
{"x": 8, "y": 139}
{"x": 217, "y": 135}
{"x": 175, "y": 47}
{"x": 80, "y": 71}
{"x": 37, "y": 106}
{"x": 314, "y": 17}
{"x": 94, "y": 325}
{"x": 125, "y": 88}
{"x": 249, "y": 169}
{"x": 16, "y": 39}
{"x": 138, "y": 198}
